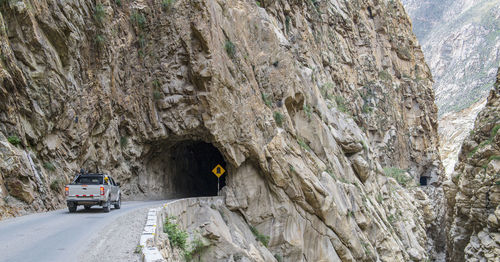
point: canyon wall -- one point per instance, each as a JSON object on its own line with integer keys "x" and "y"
{"x": 322, "y": 112}
{"x": 473, "y": 193}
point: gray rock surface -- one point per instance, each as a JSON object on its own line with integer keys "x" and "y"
{"x": 286, "y": 92}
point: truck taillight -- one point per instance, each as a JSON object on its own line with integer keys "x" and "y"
{"x": 102, "y": 191}
{"x": 66, "y": 190}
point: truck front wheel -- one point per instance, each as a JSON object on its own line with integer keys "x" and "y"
{"x": 72, "y": 208}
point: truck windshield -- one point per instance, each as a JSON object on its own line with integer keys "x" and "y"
{"x": 89, "y": 180}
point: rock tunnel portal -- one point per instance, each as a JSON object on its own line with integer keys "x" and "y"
{"x": 183, "y": 169}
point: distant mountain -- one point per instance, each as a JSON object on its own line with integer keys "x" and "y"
{"x": 461, "y": 43}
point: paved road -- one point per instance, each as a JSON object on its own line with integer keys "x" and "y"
{"x": 57, "y": 235}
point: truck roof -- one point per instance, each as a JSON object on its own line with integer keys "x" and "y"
{"x": 93, "y": 174}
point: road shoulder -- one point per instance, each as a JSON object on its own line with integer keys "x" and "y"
{"x": 118, "y": 240}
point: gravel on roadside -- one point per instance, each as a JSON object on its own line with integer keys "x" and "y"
{"x": 118, "y": 241}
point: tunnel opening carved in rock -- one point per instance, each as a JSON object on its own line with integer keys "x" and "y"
{"x": 182, "y": 169}
{"x": 424, "y": 180}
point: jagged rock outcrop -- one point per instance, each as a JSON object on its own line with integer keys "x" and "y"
{"x": 308, "y": 103}
{"x": 473, "y": 193}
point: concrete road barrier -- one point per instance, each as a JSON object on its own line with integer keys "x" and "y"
{"x": 154, "y": 223}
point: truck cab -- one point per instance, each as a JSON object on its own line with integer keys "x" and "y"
{"x": 93, "y": 189}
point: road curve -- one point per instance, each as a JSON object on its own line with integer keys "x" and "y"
{"x": 58, "y": 235}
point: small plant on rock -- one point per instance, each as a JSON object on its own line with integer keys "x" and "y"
{"x": 341, "y": 106}
{"x": 308, "y": 111}
{"x": 123, "y": 141}
{"x": 166, "y": 4}
{"x": 303, "y": 144}
{"x": 230, "y": 49}
{"x": 260, "y": 237}
{"x": 14, "y": 140}
{"x": 278, "y": 117}
{"x": 56, "y": 185}
{"x": 49, "y": 166}
{"x": 176, "y": 235}
{"x": 99, "y": 13}
{"x": 398, "y": 174}
{"x": 266, "y": 100}
{"x": 138, "y": 19}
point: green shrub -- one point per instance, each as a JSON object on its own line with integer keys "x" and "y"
{"x": 100, "y": 40}
{"x": 308, "y": 111}
{"x": 491, "y": 158}
{"x": 166, "y": 4}
{"x": 142, "y": 41}
{"x": 367, "y": 109}
{"x": 157, "y": 95}
{"x": 196, "y": 247}
{"x": 494, "y": 131}
{"x": 474, "y": 150}
{"x": 14, "y": 140}
{"x": 398, "y": 174}
{"x": 341, "y": 106}
{"x": 380, "y": 198}
{"x": 138, "y": 19}
{"x": 325, "y": 90}
{"x": 99, "y": 13}
{"x": 287, "y": 24}
{"x": 266, "y": 100}
{"x": 56, "y": 185}
{"x": 391, "y": 219}
{"x": 49, "y": 166}
{"x": 278, "y": 117}
{"x": 118, "y": 3}
{"x": 176, "y": 235}
{"x": 384, "y": 75}
{"x": 230, "y": 49}
{"x": 303, "y": 144}
{"x": 262, "y": 238}
{"x": 156, "y": 84}
{"x": 278, "y": 257}
{"x": 123, "y": 141}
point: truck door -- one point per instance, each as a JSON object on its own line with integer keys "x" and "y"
{"x": 114, "y": 189}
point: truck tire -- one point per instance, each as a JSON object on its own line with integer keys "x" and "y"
{"x": 87, "y": 207}
{"x": 72, "y": 209}
{"x": 118, "y": 203}
{"x": 107, "y": 207}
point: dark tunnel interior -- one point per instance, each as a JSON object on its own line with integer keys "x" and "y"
{"x": 184, "y": 169}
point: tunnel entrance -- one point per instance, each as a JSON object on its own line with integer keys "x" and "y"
{"x": 424, "y": 180}
{"x": 184, "y": 170}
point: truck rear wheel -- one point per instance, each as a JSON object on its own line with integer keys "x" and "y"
{"x": 107, "y": 207}
{"x": 118, "y": 203}
{"x": 87, "y": 207}
{"x": 72, "y": 209}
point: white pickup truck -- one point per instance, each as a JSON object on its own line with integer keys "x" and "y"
{"x": 93, "y": 189}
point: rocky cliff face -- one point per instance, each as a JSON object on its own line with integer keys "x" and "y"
{"x": 473, "y": 193}
{"x": 460, "y": 40}
{"x": 321, "y": 111}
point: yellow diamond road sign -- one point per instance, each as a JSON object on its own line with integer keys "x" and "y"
{"x": 218, "y": 170}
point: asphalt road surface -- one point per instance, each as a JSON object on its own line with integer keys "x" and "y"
{"x": 63, "y": 236}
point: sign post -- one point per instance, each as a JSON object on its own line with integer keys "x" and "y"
{"x": 218, "y": 171}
